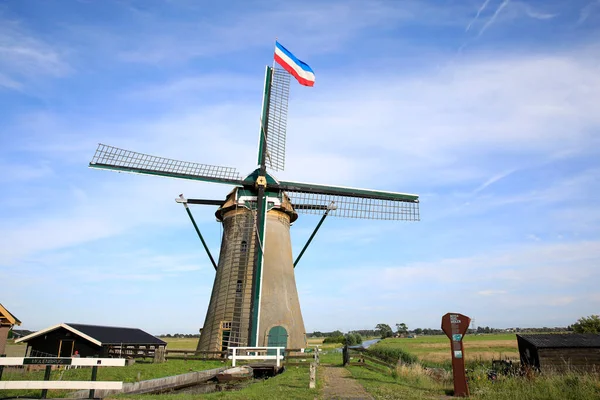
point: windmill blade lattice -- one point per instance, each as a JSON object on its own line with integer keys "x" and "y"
{"x": 116, "y": 159}
{"x": 354, "y": 207}
{"x": 310, "y": 198}
{"x": 277, "y": 120}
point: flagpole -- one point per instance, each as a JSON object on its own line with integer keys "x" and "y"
{"x": 274, "y": 52}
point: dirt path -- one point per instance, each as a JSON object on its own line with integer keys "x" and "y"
{"x": 338, "y": 384}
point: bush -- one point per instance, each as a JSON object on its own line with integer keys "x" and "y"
{"x": 353, "y": 339}
{"x": 335, "y": 339}
{"x": 589, "y": 324}
{"x": 392, "y": 355}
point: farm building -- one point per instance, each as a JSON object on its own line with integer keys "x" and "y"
{"x": 63, "y": 340}
{"x": 560, "y": 352}
{"x": 7, "y": 321}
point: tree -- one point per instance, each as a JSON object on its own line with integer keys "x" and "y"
{"x": 589, "y": 324}
{"x": 384, "y": 330}
{"x": 418, "y": 331}
{"x": 402, "y": 328}
{"x": 353, "y": 339}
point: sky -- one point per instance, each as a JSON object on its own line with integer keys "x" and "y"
{"x": 489, "y": 110}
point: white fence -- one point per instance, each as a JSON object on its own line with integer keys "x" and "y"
{"x": 76, "y": 362}
{"x": 66, "y": 361}
{"x": 256, "y": 353}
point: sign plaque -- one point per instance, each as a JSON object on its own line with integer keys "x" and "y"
{"x": 46, "y": 361}
{"x": 455, "y": 326}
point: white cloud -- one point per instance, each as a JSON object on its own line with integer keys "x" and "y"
{"x": 587, "y": 10}
{"x": 491, "y": 20}
{"x": 479, "y": 11}
{"x": 491, "y": 292}
{"x": 449, "y": 126}
{"x": 24, "y": 57}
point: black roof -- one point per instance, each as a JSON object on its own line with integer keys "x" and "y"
{"x": 563, "y": 340}
{"x": 117, "y": 335}
{"x": 21, "y": 332}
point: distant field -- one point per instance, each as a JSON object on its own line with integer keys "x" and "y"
{"x": 477, "y": 347}
{"x": 190, "y": 344}
{"x": 15, "y": 350}
{"x": 181, "y": 343}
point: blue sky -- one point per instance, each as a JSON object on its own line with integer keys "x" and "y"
{"x": 487, "y": 109}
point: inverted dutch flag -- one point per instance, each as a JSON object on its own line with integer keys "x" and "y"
{"x": 300, "y": 70}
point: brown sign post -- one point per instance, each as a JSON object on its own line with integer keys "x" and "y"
{"x": 455, "y": 326}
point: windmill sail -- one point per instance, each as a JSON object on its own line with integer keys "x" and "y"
{"x": 116, "y": 159}
{"x": 277, "y": 119}
{"x": 352, "y": 202}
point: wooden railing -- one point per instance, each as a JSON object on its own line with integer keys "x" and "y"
{"x": 361, "y": 356}
{"x": 195, "y": 355}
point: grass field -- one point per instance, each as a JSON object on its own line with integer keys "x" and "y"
{"x": 181, "y": 343}
{"x": 15, "y": 350}
{"x": 405, "y": 382}
{"x": 436, "y": 349}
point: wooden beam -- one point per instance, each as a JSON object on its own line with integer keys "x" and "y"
{"x": 79, "y": 362}
{"x": 60, "y": 385}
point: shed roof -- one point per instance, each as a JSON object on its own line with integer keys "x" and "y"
{"x": 102, "y": 335}
{"x": 563, "y": 340}
{"x": 7, "y": 318}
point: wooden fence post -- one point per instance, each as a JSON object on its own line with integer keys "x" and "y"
{"x": 46, "y": 378}
{"x": 313, "y": 375}
{"x": 2, "y": 366}
{"x": 159, "y": 355}
{"x": 94, "y": 376}
{"x": 346, "y": 355}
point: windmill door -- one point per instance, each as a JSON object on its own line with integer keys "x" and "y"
{"x": 277, "y": 338}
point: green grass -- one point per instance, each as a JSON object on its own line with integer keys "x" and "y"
{"x": 413, "y": 382}
{"x": 291, "y": 385}
{"x": 405, "y": 384}
{"x": 569, "y": 386}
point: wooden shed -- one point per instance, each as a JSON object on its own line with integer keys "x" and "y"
{"x": 560, "y": 352}
{"x": 64, "y": 339}
{"x": 7, "y": 321}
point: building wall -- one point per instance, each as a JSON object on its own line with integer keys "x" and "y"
{"x": 4, "y": 329}
{"x": 564, "y": 359}
{"x": 50, "y": 343}
{"x": 227, "y": 320}
{"x": 280, "y": 305}
{"x": 528, "y": 353}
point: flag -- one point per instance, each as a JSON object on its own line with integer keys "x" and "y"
{"x": 300, "y": 70}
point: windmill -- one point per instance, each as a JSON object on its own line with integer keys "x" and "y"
{"x": 254, "y": 300}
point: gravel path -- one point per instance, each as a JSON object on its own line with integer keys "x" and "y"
{"x": 338, "y": 384}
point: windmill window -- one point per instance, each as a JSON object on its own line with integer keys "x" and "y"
{"x": 239, "y": 286}
{"x": 244, "y": 246}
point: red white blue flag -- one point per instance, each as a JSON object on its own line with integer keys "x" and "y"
{"x": 300, "y": 70}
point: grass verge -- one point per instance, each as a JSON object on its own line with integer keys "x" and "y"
{"x": 291, "y": 385}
